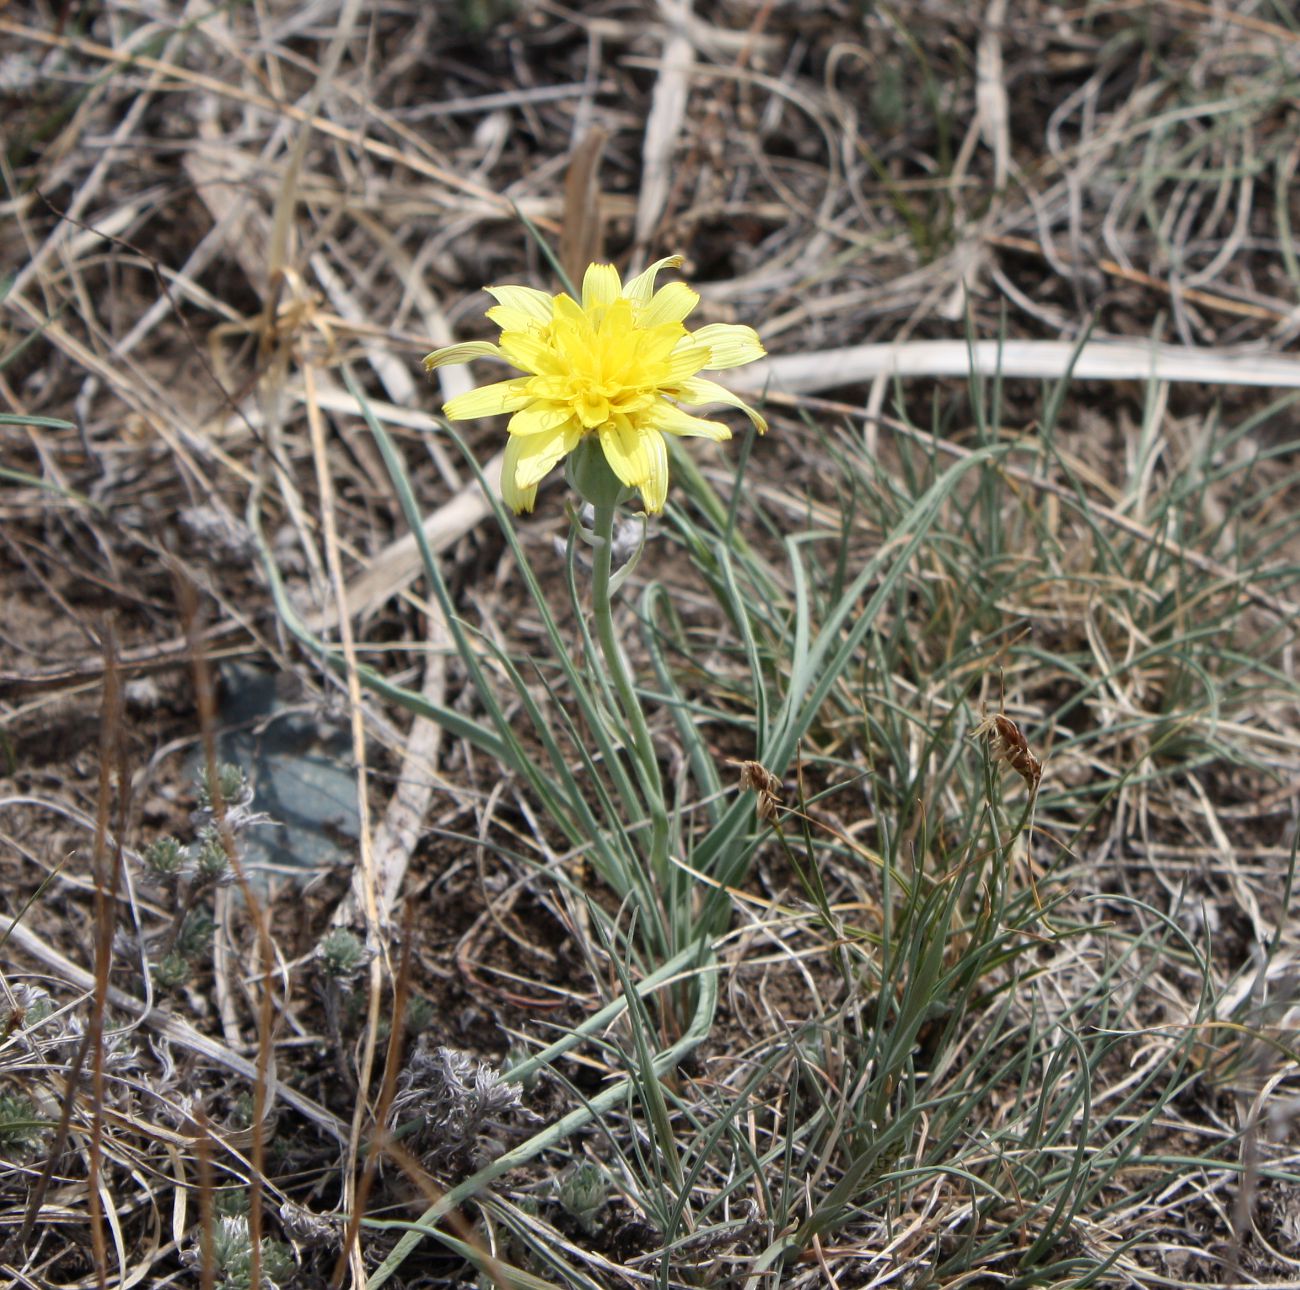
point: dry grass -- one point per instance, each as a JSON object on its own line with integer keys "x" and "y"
{"x": 216, "y": 216}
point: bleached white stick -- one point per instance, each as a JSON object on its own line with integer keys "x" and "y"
{"x": 1098, "y": 360}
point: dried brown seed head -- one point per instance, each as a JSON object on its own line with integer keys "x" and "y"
{"x": 1010, "y": 747}
{"x": 754, "y": 775}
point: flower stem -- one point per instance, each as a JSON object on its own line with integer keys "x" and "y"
{"x": 643, "y": 748}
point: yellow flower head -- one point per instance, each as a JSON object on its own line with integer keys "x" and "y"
{"x": 617, "y": 366}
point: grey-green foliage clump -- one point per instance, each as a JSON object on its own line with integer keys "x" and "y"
{"x": 236, "y": 793}
{"x": 342, "y": 955}
{"x": 33, "y": 1002}
{"x": 165, "y": 859}
{"x": 242, "y": 1110}
{"x": 231, "y": 1256}
{"x": 212, "y": 860}
{"x": 195, "y": 936}
{"x": 419, "y": 1014}
{"x": 455, "y": 1107}
{"x": 171, "y": 971}
{"x": 21, "y": 1128}
{"x": 230, "y": 783}
{"x": 583, "y": 1191}
{"x": 185, "y": 874}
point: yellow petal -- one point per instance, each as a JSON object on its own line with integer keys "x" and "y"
{"x": 654, "y": 344}
{"x": 698, "y": 390}
{"x": 528, "y": 301}
{"x": 628, "y": 450}
{"x": 566, "y": 307}
{"x": 731, "y": 344}
{"x": 538, "y": 454}
{"x": 654, "y": 491}
{"x": 549, "y": 388}
{"x": 518, "y": 499}
{"x": 617, "y": 327}
{"x": 685, "y": 361}
{"x": 487, "y": 400}
{"x": 461, "y": 354}
{"x": 574, "y": 344}
{"x": 641, "y": 288}
{"x": 601, "y": 286}
{"x": 529, "y": 351}
{"x": 513, "y": 319}
{"x": 569, "y": 311}
{"x": 539, "y": 418}
{"x": 672, "y": 420}
{"x": 671, "y": 303}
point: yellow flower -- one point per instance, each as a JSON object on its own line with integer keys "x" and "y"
{"x": 617, "y": 366}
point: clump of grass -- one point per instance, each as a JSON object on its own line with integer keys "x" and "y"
{"x": 967, "y": 1066}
